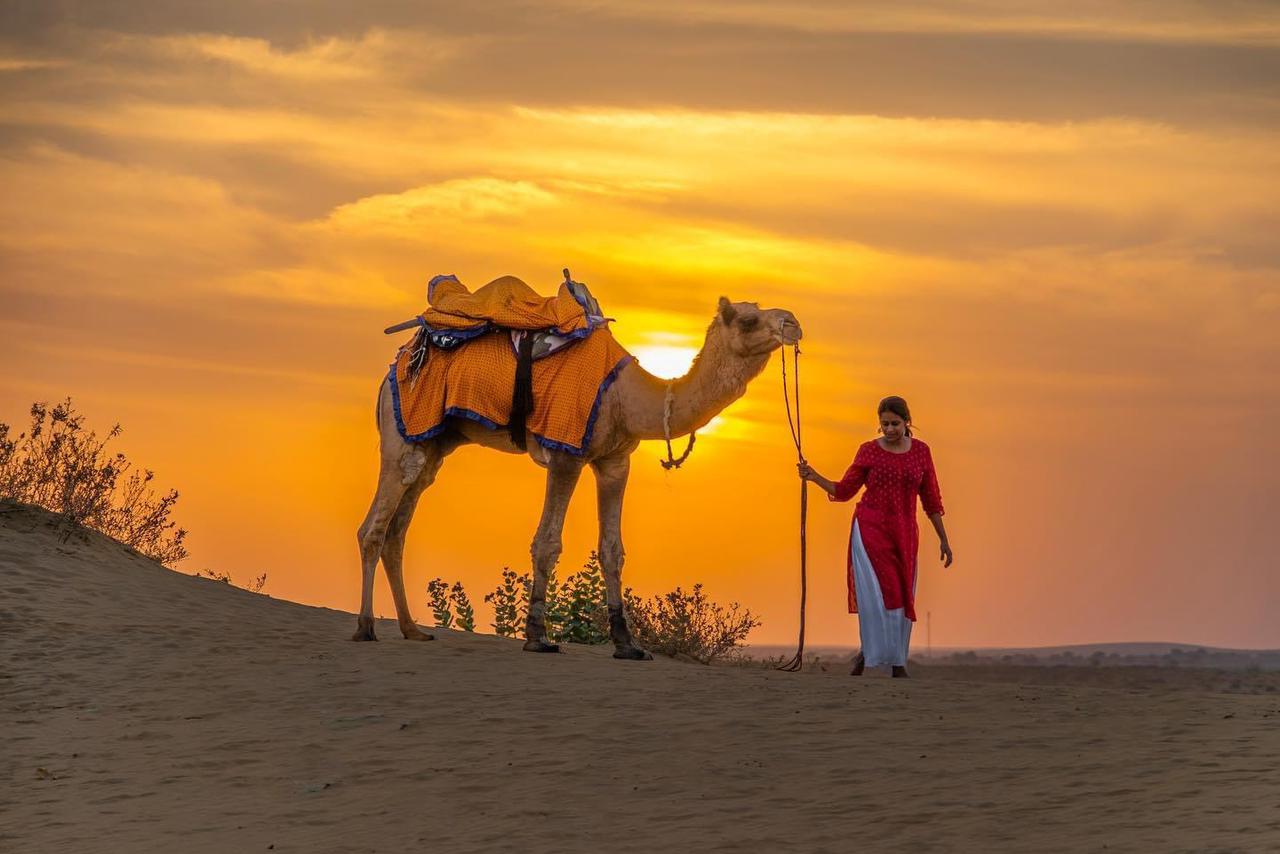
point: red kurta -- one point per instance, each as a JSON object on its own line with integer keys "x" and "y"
{"x": 886, "y": 516}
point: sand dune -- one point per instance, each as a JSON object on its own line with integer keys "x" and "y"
{"x": 145, "y": 710}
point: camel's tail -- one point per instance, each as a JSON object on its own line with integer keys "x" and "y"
{"x": 377, "y": 404}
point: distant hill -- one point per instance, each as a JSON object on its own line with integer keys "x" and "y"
{"x": 1145, "y": 654}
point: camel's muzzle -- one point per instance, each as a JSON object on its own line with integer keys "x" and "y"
{"x": 790, "y": 331}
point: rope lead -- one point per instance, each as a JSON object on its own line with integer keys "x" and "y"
{"x": 796, "y": 662}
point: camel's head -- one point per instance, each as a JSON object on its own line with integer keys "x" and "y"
{"x": 750, "y": 330}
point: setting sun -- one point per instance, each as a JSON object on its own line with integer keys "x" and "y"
{"x": 667, "y": 361}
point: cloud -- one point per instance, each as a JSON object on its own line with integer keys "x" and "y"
{"x": 465, "y": 200}
{"x": 979, "y": 60}
{"x": 1186, "y": 21}
{"x": 324, "y": 62}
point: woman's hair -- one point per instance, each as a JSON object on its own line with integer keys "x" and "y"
{"x": 898, "y": 407}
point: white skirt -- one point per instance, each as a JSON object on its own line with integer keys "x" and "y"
{"x": 886, "y": 635}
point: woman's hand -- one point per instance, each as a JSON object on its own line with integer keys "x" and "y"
{"x": 807, "y": 473}
{"x": 946, "y": 556}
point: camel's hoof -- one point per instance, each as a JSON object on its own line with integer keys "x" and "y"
{"x": 417, "y": 635}
{"x": 540, "y": 646}
{"x": 632, "y": 653}
{"x": 364, "y": 634}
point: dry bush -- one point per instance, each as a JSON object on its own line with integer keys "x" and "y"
{"x": 254, "y": 586}
{"x": 60, "y": 465}
{"x": 680, "y": 623}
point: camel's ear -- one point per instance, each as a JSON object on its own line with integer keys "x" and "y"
{"x": 727, "y": 311}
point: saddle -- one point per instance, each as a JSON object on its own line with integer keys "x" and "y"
{"x": 454, "y": 365}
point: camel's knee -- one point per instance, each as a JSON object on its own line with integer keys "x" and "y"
{"x": 412, "y": 464}
{"x": 546, "y": 552}
{"x": 370, "y": 538}
{"x": 612, "y": 554}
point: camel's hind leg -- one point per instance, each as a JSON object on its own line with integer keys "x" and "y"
{"x": 397, "y": 474}
{"x": 562, "y": 476}
{"x": 386, "y": 498}
{"x": 393, "y": 544}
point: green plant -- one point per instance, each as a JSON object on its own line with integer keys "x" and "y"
{"x": 580, "y": 612}
{"x": 60, "y": 465}
{"x": 680, "y": 623}
{"x": 438, "y": 594}
{"x": 466, "y": 615}
{"x": 510, "y": 601}
{"x": 553, "y": 615}
{"x": 677, "y": 623}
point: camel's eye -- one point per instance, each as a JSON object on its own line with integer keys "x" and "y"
{"x": 748, "y": 323}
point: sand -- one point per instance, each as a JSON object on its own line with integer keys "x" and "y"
{"x": 146, "y": 710}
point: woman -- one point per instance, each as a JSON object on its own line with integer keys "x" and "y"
{"x": 895, "y": 468}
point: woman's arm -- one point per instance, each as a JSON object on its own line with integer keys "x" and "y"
{"x": 931, "y": 498}
{"x": 945, "y": 556}
{"x": 842, "y": 489}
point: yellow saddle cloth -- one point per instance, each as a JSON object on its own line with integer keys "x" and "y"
{"x": 472, "y": 375}
{"x": 507, "y": 302}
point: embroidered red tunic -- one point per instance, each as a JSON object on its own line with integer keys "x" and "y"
{"x": 886, "y": 516}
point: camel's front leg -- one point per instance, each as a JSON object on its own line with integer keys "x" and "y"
{"x": 562, "y": 476}
{"x": 611, "y": 484}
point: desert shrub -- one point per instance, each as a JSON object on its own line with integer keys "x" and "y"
{"x": 680, "y": 623}
{"x": 510, "y": 600}
{"x": 450, "y": 606}
{"x": 553, "y": 615}
{"x": 580, "y": 613}
{"x": 576, "y": 611}
{"x": 438, "y": 598}
{"x": 254, "y": 586}
{"x": 677, "y": 623}
{"x": 464, "y": 613}
{"x": 62, "y": 466}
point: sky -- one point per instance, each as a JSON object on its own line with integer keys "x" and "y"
{"x": 1053, "y": 230}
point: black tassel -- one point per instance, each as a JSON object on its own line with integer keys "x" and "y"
{"x": 522, "y": 395}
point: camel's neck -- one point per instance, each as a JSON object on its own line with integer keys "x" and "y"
{"x": 717, "y": 379}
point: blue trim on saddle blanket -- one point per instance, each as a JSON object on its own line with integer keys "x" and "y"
{"x": 459, "y": 412}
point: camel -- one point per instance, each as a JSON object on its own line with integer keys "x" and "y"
{"x": 738, "y": 345}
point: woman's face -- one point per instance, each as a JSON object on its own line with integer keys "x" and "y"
{"x": 892, "y": 426}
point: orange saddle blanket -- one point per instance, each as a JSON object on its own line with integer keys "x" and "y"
{"x": 462, "y": 363}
